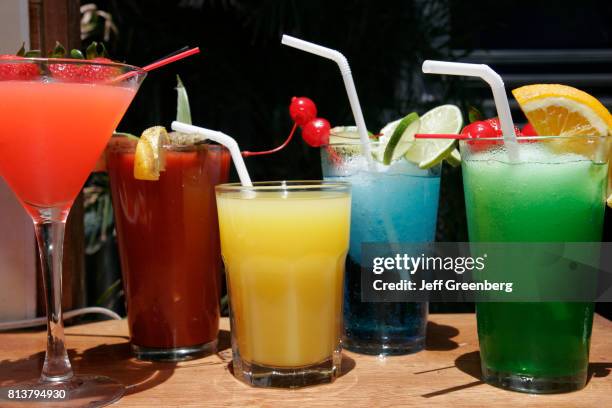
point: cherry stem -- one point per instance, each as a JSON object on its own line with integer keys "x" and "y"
{"x": 277, "y": 149}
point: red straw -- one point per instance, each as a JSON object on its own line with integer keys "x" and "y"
{"x": 171, "y": 59}
{"x": 160, "y": 63}
{"x": 440, "y": 136}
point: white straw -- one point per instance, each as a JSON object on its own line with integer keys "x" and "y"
{"x": 491, "y": 77}
{"x": 223, "y": 139}
{"x": 347, "y": 77}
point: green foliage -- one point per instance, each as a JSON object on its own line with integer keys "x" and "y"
{"x": 183, "y": 111}
{"x": 474, "y": 115}
{"x": 99, "y": 222}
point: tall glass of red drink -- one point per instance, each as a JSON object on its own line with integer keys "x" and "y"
{"x": 168, "y": 237}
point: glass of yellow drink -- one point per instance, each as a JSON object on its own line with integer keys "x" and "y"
{"x": 284, "y": 246}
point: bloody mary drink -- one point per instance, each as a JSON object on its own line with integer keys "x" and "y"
{"x": 169, "y": 245}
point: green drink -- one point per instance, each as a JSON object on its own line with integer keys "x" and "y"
{"x": 546, "y": 194}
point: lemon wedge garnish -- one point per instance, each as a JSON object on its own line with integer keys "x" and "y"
{"x": 149, "y": 159}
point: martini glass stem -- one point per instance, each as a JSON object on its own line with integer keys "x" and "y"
{"x": 50, "y": 238}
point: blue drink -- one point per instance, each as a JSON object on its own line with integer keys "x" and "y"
{"x": 396, "y": 203}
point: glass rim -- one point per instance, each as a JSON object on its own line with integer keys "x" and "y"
{"x": 72, "y": 61}
{"x": 125, "y": 144}
{"x": 533, "y": 138}
{"x": 357, "y": 142}
{"x": 283, "y": 186}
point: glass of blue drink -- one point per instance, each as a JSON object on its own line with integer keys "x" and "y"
{"x": 391, "y": 203}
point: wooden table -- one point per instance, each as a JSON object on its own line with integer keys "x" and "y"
{"x": 446, "y": 374}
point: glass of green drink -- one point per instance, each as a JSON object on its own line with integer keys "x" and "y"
{"x": 543, "y": 189}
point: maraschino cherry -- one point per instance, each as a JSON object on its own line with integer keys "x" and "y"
{"x": 315, "y": 131}
{"x": 302, "y": 110}
{"x": 483, "y": 129}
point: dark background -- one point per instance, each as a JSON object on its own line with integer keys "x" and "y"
{"x": 244, "y": 78}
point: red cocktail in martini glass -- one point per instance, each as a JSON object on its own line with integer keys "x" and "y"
{"x": 57, "y": 116}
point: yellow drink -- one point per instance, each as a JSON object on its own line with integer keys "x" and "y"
{"x": 284, "y": 254}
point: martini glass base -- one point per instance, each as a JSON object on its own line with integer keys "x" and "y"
{"x": 78, "y": 391}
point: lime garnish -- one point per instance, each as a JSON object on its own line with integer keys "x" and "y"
{"x": 454, "y": 158}
{"x": 427, "y": 153}
{"x": 397, "y": 138}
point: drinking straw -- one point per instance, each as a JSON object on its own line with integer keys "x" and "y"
{"x": 491, "y": 77}
{"x": 159, "y": 63}
{"x": 223, "y": 139}
{"x": 172, "y": 54}
{"x": 347, "y": 77}
{"x": 171, "y": 59}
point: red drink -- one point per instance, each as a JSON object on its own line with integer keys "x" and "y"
{"x": 168, "y": 236}
{"x": 57, "y": 116}
{"x": 52, "y": 135}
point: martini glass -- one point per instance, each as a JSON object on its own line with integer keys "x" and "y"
{"x": 57, "y": 117}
